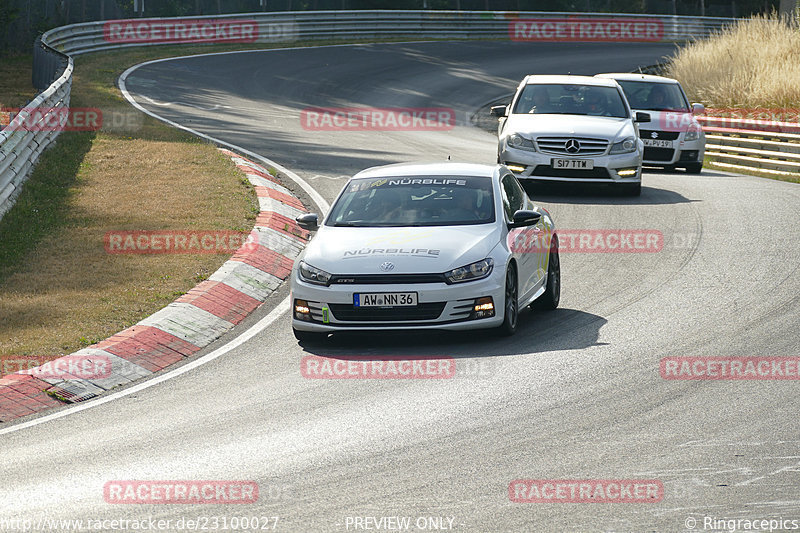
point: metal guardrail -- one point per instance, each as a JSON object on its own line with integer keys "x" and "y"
{"x": 37, "y": 125}
{"x": 770, "y": 147}
{"x": 20, "y": 149}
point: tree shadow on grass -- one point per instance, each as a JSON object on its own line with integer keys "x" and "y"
{"x": 42, "y": 207}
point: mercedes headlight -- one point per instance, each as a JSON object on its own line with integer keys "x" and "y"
{"x": 477, "y": 270}
{"x": 515, "y": 140}
{"x": 312, "y": 274}
{"x": 624, "y": 146}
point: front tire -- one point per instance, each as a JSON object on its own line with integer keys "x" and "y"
{"x": 552, "y": 293}
{"x": 510, "y": 304}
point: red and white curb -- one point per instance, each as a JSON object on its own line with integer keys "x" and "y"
{"x": 188, "y": 324}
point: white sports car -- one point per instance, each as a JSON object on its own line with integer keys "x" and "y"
{"x": 425, "y": 246}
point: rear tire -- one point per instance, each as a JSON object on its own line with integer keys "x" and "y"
{"x": 694, "y": 168}
{"x": 552, "y": 293}
{"x": 310, "y": 337}
{"x": 510, "y": 304}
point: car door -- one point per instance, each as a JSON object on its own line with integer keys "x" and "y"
{"x": 525, "y": 242}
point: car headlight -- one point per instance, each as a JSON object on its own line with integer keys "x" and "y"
{"x": 477, "y": 270}
{"x": 313, "y": 274}
{"x": 515, "y": 140}
{"x": 624, "y": 146}
{"x": 693, "y": 134}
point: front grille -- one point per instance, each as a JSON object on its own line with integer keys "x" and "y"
{"x": 547, "y": 170}
{"x": 351, "y": 313}
{"x": 384, "y": 279}
{"x": 666, "y": 135}
{"x": 557, "y": 145}
{"x": 658, "y": 154}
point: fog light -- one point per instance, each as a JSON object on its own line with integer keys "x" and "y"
{"x": 516, "y": 168}
{"x": 484, "y": 308}
{"x": 626, "y": 172}
{"x": 301, "y": 310}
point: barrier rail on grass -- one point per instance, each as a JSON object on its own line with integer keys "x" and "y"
{"x": 24, "y": 139}
{"x": 772, "y": 147}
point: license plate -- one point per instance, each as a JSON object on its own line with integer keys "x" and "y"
{"x": 385, "y": 299}
{"x": 658, "y": 143}
{"x": 574, "y": 164}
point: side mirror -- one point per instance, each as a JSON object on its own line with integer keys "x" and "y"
{"x": 642, "y": 117}
{"x": 309, "y": 221}
{"x": 524, "y": 218}
{"x": 698, "y": 109}
{"x": 499, "y": 111}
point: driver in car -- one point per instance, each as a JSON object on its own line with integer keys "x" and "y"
{"x": 595, "y": 103}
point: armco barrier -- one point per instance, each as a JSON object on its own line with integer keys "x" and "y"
{"x": 19, "y": 150}
{"x": 739, "y": 144}
{"x": 20, "y": 146}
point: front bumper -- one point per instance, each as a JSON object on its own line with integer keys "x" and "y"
{"x": 681, "y": 152}
{"x": 440, "y": 306}
{"x": 537, "y": 166}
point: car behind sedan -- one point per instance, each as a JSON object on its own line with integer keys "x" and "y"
{"x": 674, "y": 138}
{"x": 425, "y": 246}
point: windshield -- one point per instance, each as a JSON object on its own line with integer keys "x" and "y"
{"x": 414, "y": 201}
{"x": 571, "y": 99}
{"x": 649, "y": 96}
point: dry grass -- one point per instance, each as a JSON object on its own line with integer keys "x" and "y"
{"x": 754, "y": 63}
{"x": 59, "y": 289}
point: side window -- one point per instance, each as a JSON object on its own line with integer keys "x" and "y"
{"x": 513, "y": 196}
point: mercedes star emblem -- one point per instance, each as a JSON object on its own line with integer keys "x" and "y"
{"x": 572, "y": 146}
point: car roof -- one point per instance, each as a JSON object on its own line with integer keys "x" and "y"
{"x": 628, "y": 76}
{"x": 442, "y": 168}
{"x": 568, "y": 79}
